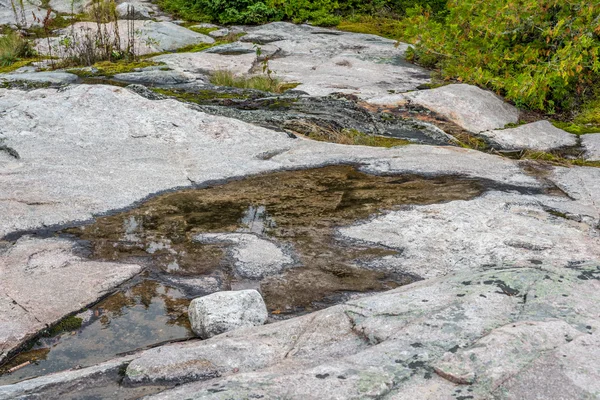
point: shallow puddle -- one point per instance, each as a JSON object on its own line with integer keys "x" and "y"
{"x": 296, "y": 211}
{"x": 141, "y": 315}
{"x": 274, "y": 232}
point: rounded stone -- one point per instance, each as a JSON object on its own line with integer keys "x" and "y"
{"x": 225, "y": 311}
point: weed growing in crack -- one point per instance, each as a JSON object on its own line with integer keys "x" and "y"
{"x": 101, "y": 40}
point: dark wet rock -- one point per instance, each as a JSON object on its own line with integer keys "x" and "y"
{"x": 540, "y": 135}
{"x": 197, "y": 286}
{"x": 155, "y": 77}
{"x": 226, "y": 311}
{"x": 314, "y": 116}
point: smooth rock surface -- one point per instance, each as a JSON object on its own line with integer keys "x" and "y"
{"x": 226, "y": 311}
{"x": 57, "y": 78}
{"x": 323, "y": 61}
{"x": 470, "y": 107}
{"x": 254, "y": 257}
{"x": 149, "y": 37}
{"x": 581, "y": 184}
{"x": 45, "y": 279}
{"x": 591, "y": 144}
{"x": 219, "y": 33}
{"x": 205, "y": 63}
{"x": 68, "y": 384}
{"x": 417, "y": 341}
{"x": 412, "y": 341}
{"x": 515, "y": 273}
{"x": 31, "y": 8}
{"x": 63, "y": 173}
{"x": 69, "y": 6}
{"x": 540, "y": 135}
{"x": 496, "y": 230}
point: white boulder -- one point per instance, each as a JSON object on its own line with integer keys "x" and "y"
{"x": 540, "y": 135}
{"x": 470, "y": 107}
{"x": 225, "y": 311}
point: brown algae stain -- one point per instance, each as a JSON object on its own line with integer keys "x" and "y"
{"x": 298, "y": 210}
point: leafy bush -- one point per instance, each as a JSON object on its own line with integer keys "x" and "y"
{"x": 542, "y": 54}
{"x": 318, "y": 12}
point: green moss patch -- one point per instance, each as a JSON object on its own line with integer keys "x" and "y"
{"x": 386, "y": 27}
{"x": 204, "y": 31}
{"x": 16, "y": 65}
{"x": 109, "y": 68}
{"x": 67, "y": 324}
{"x": 575, "y": 128}
{"x": 556, "y": 158}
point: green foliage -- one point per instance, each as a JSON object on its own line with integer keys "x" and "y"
{"x": 382, "y": 26}
{"x": 317, "y": 12}
{"x": 13, "y": 47}
{"x": 541, "y": 54}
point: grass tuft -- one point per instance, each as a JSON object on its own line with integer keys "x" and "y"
{"x": 13, "y": 48}
{"x": 343, "y": 136}
{"x": 257, "y": 82}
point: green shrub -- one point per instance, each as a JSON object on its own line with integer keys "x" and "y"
{"x": 541, "y": 54}
{"x": 318, "y": 12}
